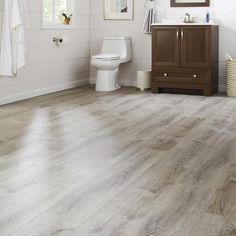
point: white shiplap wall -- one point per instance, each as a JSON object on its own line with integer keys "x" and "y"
{"x": 49, "y": 68}
{"x": 224, "y": 12}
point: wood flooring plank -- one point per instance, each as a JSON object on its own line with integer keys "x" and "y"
{"x": 123, "y": 163}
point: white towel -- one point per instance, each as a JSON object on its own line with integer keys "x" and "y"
{"x": 149, "y": 17}
{"x": 12, "y": 54}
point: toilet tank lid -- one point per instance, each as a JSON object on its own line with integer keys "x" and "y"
{"x": 117, "y": 38}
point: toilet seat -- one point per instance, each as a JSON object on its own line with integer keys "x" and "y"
{"x": 106, "y": 57}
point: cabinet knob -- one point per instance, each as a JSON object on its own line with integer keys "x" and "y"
{"x": 165, "y": 74}
{"x": 194, "y": 76}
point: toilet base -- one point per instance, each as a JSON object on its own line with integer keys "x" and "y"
{"x": 107, "y": 80}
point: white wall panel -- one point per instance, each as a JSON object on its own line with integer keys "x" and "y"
{"x": 50, "y": 68}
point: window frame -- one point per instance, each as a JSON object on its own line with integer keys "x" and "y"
{"x": 56, "y": 24}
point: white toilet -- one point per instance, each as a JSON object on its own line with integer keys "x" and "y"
{"x": 115, "y": 50}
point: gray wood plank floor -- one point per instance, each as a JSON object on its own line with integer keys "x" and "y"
{"x": 126, "y": 163}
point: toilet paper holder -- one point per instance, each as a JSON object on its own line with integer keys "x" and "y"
{"x": 59, "y": 40}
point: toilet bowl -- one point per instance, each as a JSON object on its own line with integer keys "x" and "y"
{"x": 115, "y": 50}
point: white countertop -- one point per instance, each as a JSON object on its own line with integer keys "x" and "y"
{"x": 179, "y": 23}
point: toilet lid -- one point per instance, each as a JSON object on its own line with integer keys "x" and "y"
{"x": 106, "y": 57}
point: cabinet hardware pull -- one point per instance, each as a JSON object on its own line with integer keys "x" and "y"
{"x": 177, "y": 34}
{"x": 165, "y": 74}
{"x": 182, "y": 34}
{"x": 194, "y": 76}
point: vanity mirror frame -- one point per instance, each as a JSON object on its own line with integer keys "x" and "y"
{"x": 173, "y": 3}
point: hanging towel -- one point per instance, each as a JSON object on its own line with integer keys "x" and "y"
{"x": 12, "y": 54}
{"x": 149, "y": 17}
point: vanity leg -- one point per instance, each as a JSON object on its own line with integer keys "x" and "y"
{"x": 155, "y": 89}
{"x": 207, "y": 92}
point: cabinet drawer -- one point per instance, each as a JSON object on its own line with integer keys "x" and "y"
{"x": 183, "y": 76}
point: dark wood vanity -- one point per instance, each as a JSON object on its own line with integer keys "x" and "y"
{"x": 185, "y": 57}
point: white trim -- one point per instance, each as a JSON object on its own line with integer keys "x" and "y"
{"x": 222, "y": 88}
{"x": 53, "y": 25}
{"x": 133, "y": 83}
{"x": 92, "y": 80}
{"x": 42, "y": 91}
{"x": 128, "y": 83}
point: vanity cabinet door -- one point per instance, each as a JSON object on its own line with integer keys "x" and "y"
{"x": 195, "y": 46}
{"x": 166, "y": 47}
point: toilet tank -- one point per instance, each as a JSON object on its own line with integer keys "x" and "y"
{"x": 118, "y": 45}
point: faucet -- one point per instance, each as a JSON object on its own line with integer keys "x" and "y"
{"x": 188, "y": 18}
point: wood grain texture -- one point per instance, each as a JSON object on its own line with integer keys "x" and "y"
{"x": 185, "y": 58}
{"x": 125, "y": 163}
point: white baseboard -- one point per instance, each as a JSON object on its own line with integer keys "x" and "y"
{"x": 222, "y": 88}
{"x": 128, "y": 83}
{"x": 64, "y": 86}
{"x": 133, "y": 83}
{"x": 92, "y": 80}
{"x": 42, "y": 91}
